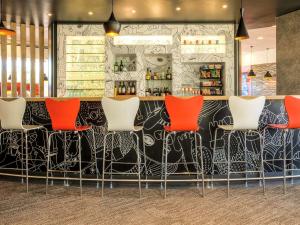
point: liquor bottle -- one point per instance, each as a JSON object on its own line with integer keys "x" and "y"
{"x": 123, "y": 89}
{"x": 148, "y": 74}
{"x": 155, "y": 76}
{"x": 121, "y": 67}
{"x": 132, "y": 91}
{"x": 120, "y": 88}
{"x": 151, "y": 75}
{"x": 116, "y": 67}
{"x": 169, "y": 74}
{"x": 128, "y": 88}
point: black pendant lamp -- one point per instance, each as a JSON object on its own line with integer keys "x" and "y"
{"x": 112, "y": 27}
{"x": 251, "y": 73}
{"x": 268, "y": 75}
{"x": 242, "y": 32}
{"x": 3, "y": 30}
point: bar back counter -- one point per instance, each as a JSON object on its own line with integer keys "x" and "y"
{"x": 153, "y": 116}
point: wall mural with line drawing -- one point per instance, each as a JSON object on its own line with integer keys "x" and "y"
{"x": 153, "y": 117}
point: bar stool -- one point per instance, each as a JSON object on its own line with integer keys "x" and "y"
{"x": 292, "y": 106}
{"x": 246, "y": 114}
{"x": 184, "y": 114}
{"x": 120, "y": 116}
{"x": 11, "y": 117}
{"x": 63, "y": 115}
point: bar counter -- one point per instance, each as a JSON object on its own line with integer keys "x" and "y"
{"x": 152, "y": 116}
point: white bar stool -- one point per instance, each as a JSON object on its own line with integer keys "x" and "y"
{"x": 120, "y": 116}
{"x": 11, "y": 117}
{"x": 246, "y": 114}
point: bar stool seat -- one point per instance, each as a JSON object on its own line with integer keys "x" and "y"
{"x": 63, "y": 115}
{"x": 120, "y": 116}
{"x": 245, "y": 115}
{"x": 184, "y": 115}
{"x": 11, "y": 117}
{"x": 170, "y": 129}
{"x": 292, "y": 107}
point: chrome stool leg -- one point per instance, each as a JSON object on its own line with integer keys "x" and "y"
{"x": 262, "y": 167}
{"x": 66, "y": 182}
{"x": 246, "y": 158}
{"x": 292, "y": 155}
{"x": 48, "y": 160}
{"x": 22, "y": 156}
{"x": 26, "y": 155}
{"x": 103, "y": 163}
{"x": 284, "y": 160}
{"x": 213, "y": 159}
{"x": 79, "y": 156}
{"x": 138, "y": 162}
{"x": 111, "y": 159}
{"x": 228, "y": 163}
{"x": 166, "y": 162}
{"x": 197, "y": 161}
{"x": 202, "y": 164}
{"x": 162, "y": 161}
{"x": 145, "y": 159}
{"x": 96, "y": 161}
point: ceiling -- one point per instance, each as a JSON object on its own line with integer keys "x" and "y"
{"x": 258, "y": 13}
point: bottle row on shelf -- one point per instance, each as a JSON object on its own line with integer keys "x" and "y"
{"x": 125, "y": 88}
{"x": 212, "y": 83}
{"x": 211, "y": 91}
{"x": 159, "y": 75}
{"x": 202, "y": 42}
{"x": 124, "y": 67}
{"x": 158, "y": 91}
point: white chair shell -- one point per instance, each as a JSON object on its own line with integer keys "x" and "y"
{"x": 120, "y": 114}
{"x": 11, "y": 113}
{"x": 246, "y": 112}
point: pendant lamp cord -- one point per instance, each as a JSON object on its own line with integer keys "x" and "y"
{"x": 251, "y": 56}
{"x": 267, "y": 55}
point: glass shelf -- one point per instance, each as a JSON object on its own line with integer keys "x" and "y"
{"x": 85, "y": 68}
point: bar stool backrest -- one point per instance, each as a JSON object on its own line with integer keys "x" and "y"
{"x": 184, "y": 112}
{"x": 246, "y": 112}
{"x": 120, "y": 114}
{"x": 292, "y": 106}
{"x": 63, "y": 114}
{"x": 11, "y": 113}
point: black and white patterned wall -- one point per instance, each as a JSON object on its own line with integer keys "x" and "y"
{"x": 182, "y": 71}
{"x": 153, "y": 117}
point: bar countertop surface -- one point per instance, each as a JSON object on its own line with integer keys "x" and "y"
{"x": 154, "y": 98}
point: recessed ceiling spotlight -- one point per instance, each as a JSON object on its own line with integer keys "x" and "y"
{"x": 49, "y": 14}
{"x": 224, "y": 6}
{"x": 133, "y": 11}
{"x": 90, "y": 13}
{"x": 260, "y": 38}
{"x": 178, "y": 8}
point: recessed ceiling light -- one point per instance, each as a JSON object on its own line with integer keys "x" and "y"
{"x": 49, "y": 14}
{"x": 224, "y": 6}
{"x": 178, "y": 8}
{"x": 260, "y": 38}
{"x": 133, "y": 11}
{"x": 90, "y": 13}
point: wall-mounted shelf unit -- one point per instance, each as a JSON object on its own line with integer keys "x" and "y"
{"x": 203, "y": 44}
{"x": 211, "y": 79}
{"x": 85, "y": 66}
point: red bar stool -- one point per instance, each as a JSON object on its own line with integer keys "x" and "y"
{"x": 63, "y": 115}
{"x": 11, "y": 116}
{"x": 184, "y": 115}
{"x": 292, "y": 106}
{"x": 245, "y": 114}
